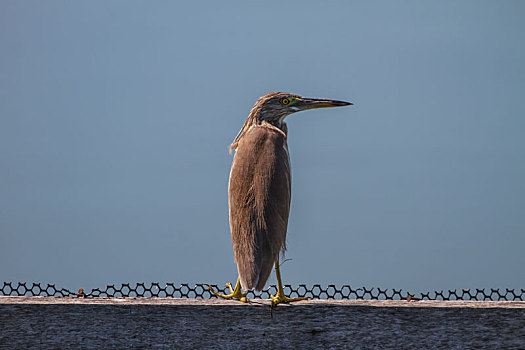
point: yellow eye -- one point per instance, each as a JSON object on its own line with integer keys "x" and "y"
{"x": 285, "y": 101}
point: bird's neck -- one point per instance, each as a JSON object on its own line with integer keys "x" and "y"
{"x": 279, "y": 124}
{"x": 252, "y": 121}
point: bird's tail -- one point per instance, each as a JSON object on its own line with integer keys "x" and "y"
{"x": 255, "y": 265}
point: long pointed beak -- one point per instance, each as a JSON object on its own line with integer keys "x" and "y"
{"x": 310, "y": 103}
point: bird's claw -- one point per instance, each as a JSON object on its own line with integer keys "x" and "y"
{"x": 235, "y": 294}
{"x": 281, "y": 298}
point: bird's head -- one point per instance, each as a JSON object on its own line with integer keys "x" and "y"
{"x": 275, "y": 106}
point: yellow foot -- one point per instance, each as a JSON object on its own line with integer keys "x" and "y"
{"x": 235, "y": 294}
{"x": 281, "y": 298}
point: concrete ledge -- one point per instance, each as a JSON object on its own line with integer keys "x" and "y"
{"x": 260, "y": 302}
{"x": 48, "y": 322}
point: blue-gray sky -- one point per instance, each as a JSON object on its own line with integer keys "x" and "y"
{"x": 116, "y": 118}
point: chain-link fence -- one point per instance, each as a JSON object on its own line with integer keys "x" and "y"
{"x": 316, "y": 291}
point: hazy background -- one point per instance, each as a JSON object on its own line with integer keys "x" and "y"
{"x": 116, "y": 118}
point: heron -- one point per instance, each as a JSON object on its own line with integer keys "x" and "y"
{"x": 259, "y": 192}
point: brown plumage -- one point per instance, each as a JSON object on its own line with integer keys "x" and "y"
{"x": 260, "y": 185}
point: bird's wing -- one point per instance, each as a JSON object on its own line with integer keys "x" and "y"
{"x": 259, "y": 200}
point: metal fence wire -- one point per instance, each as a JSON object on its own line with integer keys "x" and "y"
{"x": 316, "y": 291}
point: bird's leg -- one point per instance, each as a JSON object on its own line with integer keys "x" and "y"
{"x": 235, "y": 293}
{"x": 280, "y": 297}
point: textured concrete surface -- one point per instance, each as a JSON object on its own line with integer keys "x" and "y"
{"x": 43, "y": 322}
